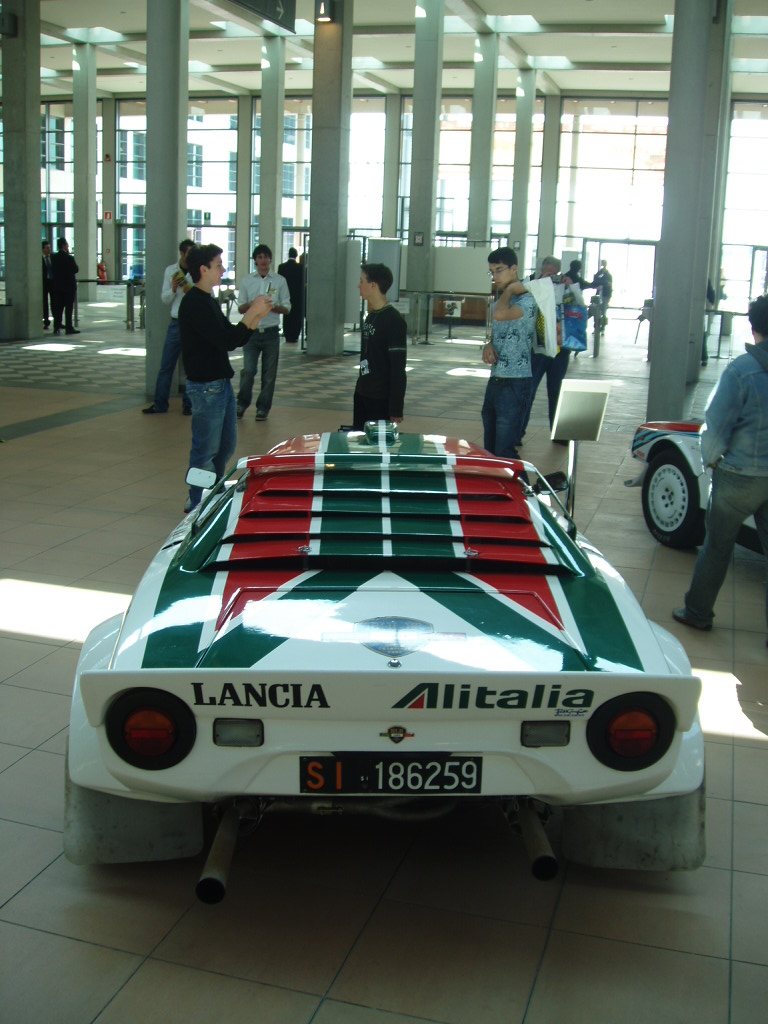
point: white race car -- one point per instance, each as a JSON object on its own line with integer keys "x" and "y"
{"x": 391, "y": 623}
{"x": 676, "y": 486}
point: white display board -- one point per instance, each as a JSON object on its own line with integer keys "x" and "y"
{"x": 580, "y": 410}
{"x": 464, "y": 271}
{"x": 389, "y": 252}
{"x": 354, "y": 249}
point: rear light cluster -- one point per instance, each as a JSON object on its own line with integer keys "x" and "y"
{"x": 632, "y": 731}
{"x": 150, "y": 729}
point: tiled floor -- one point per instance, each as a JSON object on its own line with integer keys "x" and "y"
{"x": 345, "y": 921}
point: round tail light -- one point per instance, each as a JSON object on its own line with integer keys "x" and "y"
{"x": 149, "y": 732}
{"x": 632, "y": 731}
{"x": 150, "y": 729}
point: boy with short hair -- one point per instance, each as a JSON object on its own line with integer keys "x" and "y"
{"x": 508, "y": 393}
{"x": 380, "y": 389}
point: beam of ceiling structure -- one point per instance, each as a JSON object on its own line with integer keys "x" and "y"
{"x": 625, "y": 48}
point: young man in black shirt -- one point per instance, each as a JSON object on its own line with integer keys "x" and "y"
{"x": 380, "y": 390}
{"x": 206, "y": 339}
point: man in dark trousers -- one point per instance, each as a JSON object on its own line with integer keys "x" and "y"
{"x": 604, "y": 284}
{"x": 380, "y": 390}
{"x": 47, "y": 284}
{"x": 293, "y": 273}
{"x": 734, "y": 444}
{"x": 206, "y": 339}
{"x": 64, "y": 288}
{"x": 265, "y": 342}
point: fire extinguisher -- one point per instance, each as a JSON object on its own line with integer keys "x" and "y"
{"x": 101, "y": 272}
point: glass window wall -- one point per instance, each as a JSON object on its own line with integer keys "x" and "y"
{"x": 502, "y": 185}
{"x": 366, "y": 170}
{"x": 611, "y": 181}
{"x": 211, "y": 181}
{"x": 297, "y": 156}
{"x": 744, "y": 273}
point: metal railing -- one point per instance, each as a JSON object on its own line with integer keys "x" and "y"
{"x": 421, "y": 305}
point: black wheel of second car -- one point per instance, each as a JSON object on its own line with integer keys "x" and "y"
{"x": 671, "y": 505}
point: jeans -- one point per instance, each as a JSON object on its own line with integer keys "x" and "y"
{"x": 506, "y": 408}
{"x": 555, "y": 368}
{"x": 733, "y": 498}
{"x": 267, "y": 345}
{"x": 214, "y": 429}
{"x": 170, "y": 357}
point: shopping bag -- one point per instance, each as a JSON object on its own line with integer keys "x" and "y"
{"x": 574, "y": 329}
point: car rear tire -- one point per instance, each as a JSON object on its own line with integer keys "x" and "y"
{"x": 671, "y": 501}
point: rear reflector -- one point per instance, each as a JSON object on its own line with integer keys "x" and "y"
{"x": 545, "y": 734}
{"x": 238, "y": 732}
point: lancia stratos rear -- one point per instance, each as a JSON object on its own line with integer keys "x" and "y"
{"x": 390, "y": 623}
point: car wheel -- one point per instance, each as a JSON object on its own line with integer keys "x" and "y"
{"x": 671, "y": 501}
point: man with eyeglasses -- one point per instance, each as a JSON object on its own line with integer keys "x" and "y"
{"x": 508, "y": 393}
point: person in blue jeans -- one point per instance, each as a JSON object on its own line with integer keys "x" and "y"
{"x": 176, "y": 283}
{"x": 207, "y": 338}
{"x": 734, "y": 444}
{"x": 508, "y": 392}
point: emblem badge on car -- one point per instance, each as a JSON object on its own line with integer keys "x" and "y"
{"x": 393, "y": 637}
{"x": 397, "y": 733}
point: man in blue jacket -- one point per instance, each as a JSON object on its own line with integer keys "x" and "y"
{"x": 735, "y": 445}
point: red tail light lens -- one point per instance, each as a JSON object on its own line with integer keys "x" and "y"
{"x": 149, "y": 732}
{"x": 633, "y": 734}
{"x": 150, "y": 729}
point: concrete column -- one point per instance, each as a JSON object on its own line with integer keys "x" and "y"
{"x": 393, "y": 109}
{"x": 167, "y": 103}
{"x": 331, "y": 109}
{"x": 518, "y": 228}
{"x": 109, "y": 187}
{"x": 549, "y": 173}
{"x": 719, "y": 132}
{"x": 21, "y": 174}
{"x": 681, "y": 277}
{"x": 84, "y": 116}
{"x": 243, "y": 211}
{"x": 481, "y": 153}
{"x": 427, "y": 78}
{"x": 272, "y": 117}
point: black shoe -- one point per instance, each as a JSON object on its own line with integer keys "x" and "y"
{"x": 46, "y": 325}
{"x": 151, "y": 411}
{"x": 681, "y": 615}
{"x": 261, "y": 415}
{"x": 71, "y": 331}
{"x": 240, "y": 412}
{"x": 186, "y": 411}
{"x": 57, "y": 330}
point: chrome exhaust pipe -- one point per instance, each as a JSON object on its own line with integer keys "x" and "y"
{"x": 212, "y": 886}
{"x": 543, "y": 862}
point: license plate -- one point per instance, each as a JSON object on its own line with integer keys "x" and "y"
{"x": 385, "y": 773}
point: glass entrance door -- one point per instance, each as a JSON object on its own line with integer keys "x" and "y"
{"x": 631, "y": 265}
{"x": 759, "y": 281}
